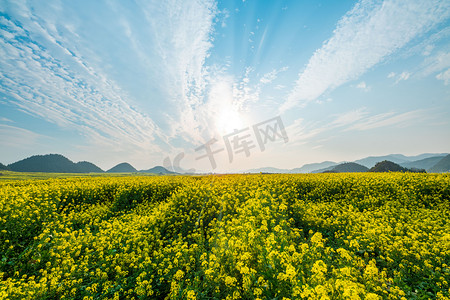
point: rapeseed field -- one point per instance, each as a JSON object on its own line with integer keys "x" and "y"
{"x": 310, "y": 236}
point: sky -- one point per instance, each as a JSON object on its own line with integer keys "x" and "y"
{"x": 221, "y": 86}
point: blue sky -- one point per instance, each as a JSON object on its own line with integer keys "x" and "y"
{"x": 143, "y": 81}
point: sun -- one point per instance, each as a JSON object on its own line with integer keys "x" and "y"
{"x": 229, "y": 120}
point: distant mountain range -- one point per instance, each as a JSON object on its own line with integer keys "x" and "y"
{"x": 431, "y": 162}
{"x": 308, "y": 168}
{"x": 441, "y": 166}
{"x": 349, "y": 167}
{"x": 396, "y": 158}
{"x": 425, "y": 163}
{"x": 56, "y": 163}
{"x": 267, "y": 170}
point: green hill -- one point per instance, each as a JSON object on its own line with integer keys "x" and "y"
{"x": 52, "y": 163}
{"x": 389, "y": 166}
{"x": 425, "y": 163}
{"x": 158, "y": 170}
{"x": 87, "y": 167}
{"x": 122, "y": 168}
{"x": 314, "y": 167}
{"x": 441, "y": 166}
{"x": 3, "y": 167}
{"x": 349, "y": 167}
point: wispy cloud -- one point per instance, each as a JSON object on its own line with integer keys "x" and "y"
{"x": 399, "y": 77}
{"x": 363, "y": 86}
{"x": 12, "y": 136}
{"x": 403, "y": 76}
{"x": 436, "y": 63}
{"x": 445, "y": 76}
{"x": 361, "y": 119}
{"x": 44, "y": 78}
{"x": 365, "y": 36}
{"x": 272, "y": 75}
{"x": 61, "y": 71}
{"x": 302, "y": 132}
{"x": 349, "y": 117}
{"x": 6, "y": 120}
{"x": 390, "y": 119}
{"x": 182, "y": 31}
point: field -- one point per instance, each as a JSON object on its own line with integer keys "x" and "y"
{"x": 10, "y": 175}
{"x": 313, "y": 236}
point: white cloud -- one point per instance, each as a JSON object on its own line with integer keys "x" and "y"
{"x": 318, "y": 101}
{"x": 87, "y": 101}
{"x": 445, "y": 76}
{"x": 365, "y": 36}
{"x": 12, "y": 136}
{"x": 390, "y": 119}
{"x": 301, "y": 132}
{"x": 65, "y": 73}
{"x": 6, "y": 120}
{"x": 427, "y": 50}
{"x": 429, "y": 43}
{"x": 244, "y": 93}
{"x": 436, "y": 63}
{"x": 349, "y": 117}
{"x": 399, "y": 77}
{"x": 403, "y": 76}
{"x": 182, "y": 33}
{"x": 363, "y": 86}
{"x": 271, "y": 76}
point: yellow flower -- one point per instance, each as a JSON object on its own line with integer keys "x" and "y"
{"x": 319, "y": 267}
{"x": 191, "y": 295}
{"x": 179, "y": 275}
{"x": 230, "y": 281}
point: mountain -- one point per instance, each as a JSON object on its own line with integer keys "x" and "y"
{"x": 324, "y": 170}
{"x": 396, "y": 158}
{"x": 425, "y": 155}
{"x": 425, "y": 163}
{"x": 52, "y": 163}
{"x": 441, "y": 166}
{"x": 308, "y": 168}
{"x": 3, "y": 167}
{"x": 87, "y": 167}
{"x": 349, "y": 167}
{"x": 267, "y": 170}
{"x": 370, "y": 161}
{"x": 122, "y": 168}
{"x": 387, "y": 166}
{"x": 157, "y": 170}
